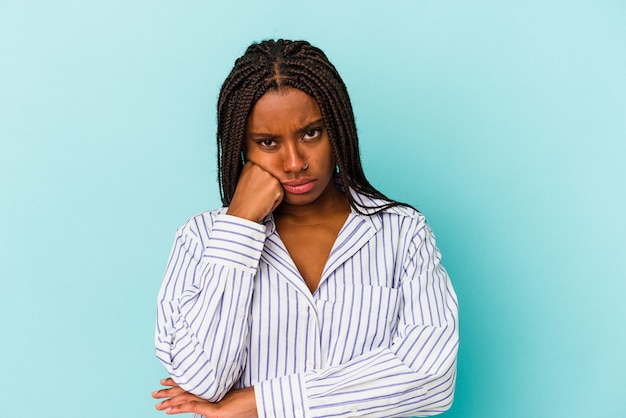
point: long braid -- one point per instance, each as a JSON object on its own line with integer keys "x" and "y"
{"x": 271, "y": 65}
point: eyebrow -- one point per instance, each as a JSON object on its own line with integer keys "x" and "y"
{"x": 316, "y": 124}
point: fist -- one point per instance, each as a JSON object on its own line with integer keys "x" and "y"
{"x": 257, "y": 194}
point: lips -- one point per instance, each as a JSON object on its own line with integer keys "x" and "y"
{"x": 299, "y": 186}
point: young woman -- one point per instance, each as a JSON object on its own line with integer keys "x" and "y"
{"x": 309, "y": 294}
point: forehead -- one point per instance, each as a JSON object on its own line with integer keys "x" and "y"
{"x": 284, "y": 106}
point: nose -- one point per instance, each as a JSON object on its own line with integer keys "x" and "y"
{"x": 293, "y": 159}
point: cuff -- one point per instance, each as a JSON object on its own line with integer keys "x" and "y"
{"x": 282, "y": 397}
{"x": 235, "y": 241}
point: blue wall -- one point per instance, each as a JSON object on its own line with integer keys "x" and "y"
{"x": 504, "y": 122}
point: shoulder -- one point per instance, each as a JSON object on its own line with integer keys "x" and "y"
{"x": 403, "y": 221}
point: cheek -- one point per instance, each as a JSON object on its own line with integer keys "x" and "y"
{"x": 254, "y": 155}
{"x": 272, "y": 163}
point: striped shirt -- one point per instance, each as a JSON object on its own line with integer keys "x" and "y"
{"x": 378, "y": 337}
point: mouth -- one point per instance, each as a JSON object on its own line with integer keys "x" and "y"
{"x": 299, "y": 186}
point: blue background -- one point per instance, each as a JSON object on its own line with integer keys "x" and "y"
{"x": 504, "y": 122}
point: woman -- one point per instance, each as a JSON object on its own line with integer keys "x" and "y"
{"x": 310, "y": 293}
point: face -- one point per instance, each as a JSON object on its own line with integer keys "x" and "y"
{"x": 286, "y": 136}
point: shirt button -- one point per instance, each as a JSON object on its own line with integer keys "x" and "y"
{"x": 310, "y": 364}
{"x": 354, "y": 409}
{"x": 240, "y": 313}
{"x": 257, "y": 236}
{"x": 298, "y": 412}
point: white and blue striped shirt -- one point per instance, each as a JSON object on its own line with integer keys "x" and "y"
{"x": 378, "y": 337}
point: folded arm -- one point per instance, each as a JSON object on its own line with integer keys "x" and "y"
{"x": 415, "y": 375}
{"x": 204, "y": 303}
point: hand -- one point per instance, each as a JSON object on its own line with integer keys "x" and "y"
{"x": 236, "y": 403}
{"x": 257, "y": 194}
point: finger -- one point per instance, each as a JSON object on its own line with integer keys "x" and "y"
{"x": 168, "y": 393}
{"x": 165, "y": 382}
{"x": 199, "y": 407}
{"x": 175, "y": 396}
{"x": 177, "y": 401}
{"x": 278, "y": 201}
{"x": 168, "y": 381}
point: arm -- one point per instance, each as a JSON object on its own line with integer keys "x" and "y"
{"x": 204, "y": 302}
{"x": 415, "y": 375}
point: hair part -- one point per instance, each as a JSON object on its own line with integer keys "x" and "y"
{"x": 273, "y": 65}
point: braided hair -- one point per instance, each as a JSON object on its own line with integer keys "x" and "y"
{"x": 269, "y": 66}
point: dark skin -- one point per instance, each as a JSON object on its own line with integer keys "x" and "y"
{"x": 237, "y": 403}
{"x": 285, "y": 133}
{"x": 309, "y": 237}
{"x": 289, "y": 172}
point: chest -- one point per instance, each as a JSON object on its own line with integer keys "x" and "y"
{"x": 309, "y": 248}
{"x": 354, "y": 310}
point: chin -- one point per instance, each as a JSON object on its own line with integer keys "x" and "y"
{"x": 300, "y": 200}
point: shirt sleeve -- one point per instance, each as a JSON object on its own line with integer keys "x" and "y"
{"x": 204, "y": 303}
{"x": 414, "y": 376}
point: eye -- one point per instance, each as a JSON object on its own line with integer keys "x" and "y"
{"x": 267, "y": 143}
{"x": 312, "y": 134}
